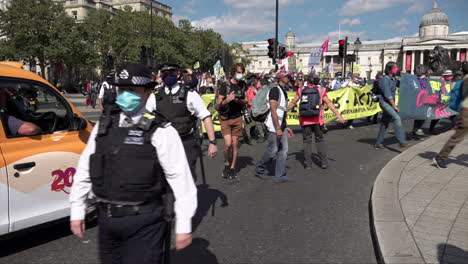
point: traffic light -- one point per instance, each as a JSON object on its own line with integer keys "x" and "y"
{"x": 341, "y": 48}
{"x": 282, "y": 52}
{"x": 271, "y": 48}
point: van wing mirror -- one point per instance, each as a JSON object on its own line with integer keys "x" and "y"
{"x": 78, "y": 123}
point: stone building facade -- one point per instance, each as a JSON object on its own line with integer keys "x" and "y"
{"x": 372, "y": 55}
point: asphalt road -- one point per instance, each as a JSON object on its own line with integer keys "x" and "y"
{"x": 322, "y": 217}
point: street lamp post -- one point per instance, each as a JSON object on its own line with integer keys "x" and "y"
{"x": 357, "y": 46}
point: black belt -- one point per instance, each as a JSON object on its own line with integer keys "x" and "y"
{"x": 118, "y": 210}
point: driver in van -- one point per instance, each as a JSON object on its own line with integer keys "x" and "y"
{"x": 16, "y": 127}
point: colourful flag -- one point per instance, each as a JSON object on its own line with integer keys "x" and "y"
{"x": 217, "y": 68}
{"x": 197, "y": 65}
{"x": 325, "y": 45}
{"x": 221, "y": 72}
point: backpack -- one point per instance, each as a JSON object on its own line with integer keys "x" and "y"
{"x": 375, "y": 88}
{"x": 311, "y": 102}
{"x": 260, "y": 104}
{"x": 225, "y": 108}
{"x": 456, "y": 96}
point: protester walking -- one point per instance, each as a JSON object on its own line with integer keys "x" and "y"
{"x": 388, "y": 86}
{"x": 462, "y": 127}
{"x": 230, "y": 101}
{"x": 312, "y": 118}
{"x": 278, "y": 133}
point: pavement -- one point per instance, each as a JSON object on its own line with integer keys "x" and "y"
{"x": 420, "y": 212}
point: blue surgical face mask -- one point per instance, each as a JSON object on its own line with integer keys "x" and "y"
{"x": 239, "y": 76}
{"x": 170, "y": 80}
{"x": 129, "y": 102}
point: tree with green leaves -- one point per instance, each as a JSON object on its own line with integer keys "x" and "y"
{"x": 34, "y": 30}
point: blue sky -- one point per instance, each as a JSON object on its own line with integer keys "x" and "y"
{"x": 313, "y": 20}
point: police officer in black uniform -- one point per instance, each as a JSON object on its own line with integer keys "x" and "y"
{"x": 108, "y": 92}
{"x": 182, "y": 106}
{"x": 132, "y": 157}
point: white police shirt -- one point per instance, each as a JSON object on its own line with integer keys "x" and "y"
{"x": 195, "y": 104}
{"x": 169, "y": 149}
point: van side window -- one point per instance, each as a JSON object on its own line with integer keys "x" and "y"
{"x": 37, "y": 105}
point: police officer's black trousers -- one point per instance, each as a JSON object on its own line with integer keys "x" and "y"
{"x": 192, "y": 151}
{"x": 131, "y": 239}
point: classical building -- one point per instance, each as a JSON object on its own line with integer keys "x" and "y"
{"x": 371, "y": 56}
{"x": 79, "y": 9}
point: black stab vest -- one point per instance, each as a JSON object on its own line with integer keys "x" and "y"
{"x": 125, "y": 166}
{"x": 174, "y": 108}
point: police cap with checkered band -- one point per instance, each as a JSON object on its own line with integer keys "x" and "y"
{"x": 133, "y": 74}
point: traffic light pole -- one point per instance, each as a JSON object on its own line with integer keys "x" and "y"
{"x": 276, "y": 38}
{"x": 344, "y": 58}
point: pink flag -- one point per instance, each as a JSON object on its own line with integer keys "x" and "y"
{"x": 325, "y": 45}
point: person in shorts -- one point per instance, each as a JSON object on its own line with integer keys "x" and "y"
{"x": 231, "y": 100}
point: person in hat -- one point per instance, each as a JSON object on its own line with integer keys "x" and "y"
{"x": 107, "y": 92}
{"x": 182, "y": 106}
{"x": 132, "y": 158}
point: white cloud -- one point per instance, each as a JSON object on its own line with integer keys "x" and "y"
{"x": 351, "y": 22}
{"x": 398, "y": 26}
{"x": 239, "y": 25}
{"x": 358, "y": 7}
{"x": 334, "y": 36}
{"x": 416, "y": 8}
{"x": 259, "y": 3}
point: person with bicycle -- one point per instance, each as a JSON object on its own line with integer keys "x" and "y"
{"x": 182, "y": 106}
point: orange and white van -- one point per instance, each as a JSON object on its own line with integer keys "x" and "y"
{"x": 36, "y": 172}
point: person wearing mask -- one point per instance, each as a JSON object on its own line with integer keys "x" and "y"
{"x": 312, "y": 124}
{"x": 181, "y": 105}
{"x": 299, "y": 82}
{"x": 278, "y": 133}
{"x": 336, "y": 83}
{"x": 388, "y": 86}
{"x": 132, "y": 158}
{"x": 353, "y": 82}
{"x": 232, "y": 99}
{"x": 462, "y": 127}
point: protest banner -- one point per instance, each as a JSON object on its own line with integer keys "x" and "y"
{"x": 351, "y": 102}
{"x": 424, "y": 99}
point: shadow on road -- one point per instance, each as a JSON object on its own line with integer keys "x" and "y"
{"x": 36, "y": 236}
{"x": 244, "y": 161}
{"x": 459, "y": 160}
{"x": 447, "y": 253}
{"x": 196, "y": 253}
{"x": 207, "y": 198}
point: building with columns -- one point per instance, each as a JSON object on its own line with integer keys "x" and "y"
{"x": 371, "y": 56}
{"x": 79, "y": 9}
